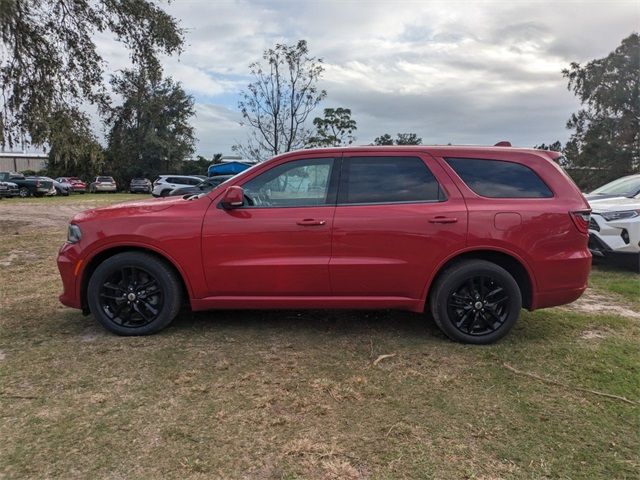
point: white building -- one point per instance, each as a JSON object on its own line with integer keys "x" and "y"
{"x": 21, "y": 161}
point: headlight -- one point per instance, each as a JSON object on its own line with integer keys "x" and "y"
{"x": 73, "y": 233}
{"x": 624, "y": 214}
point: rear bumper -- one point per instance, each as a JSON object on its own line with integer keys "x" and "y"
{"x": 561, "y": 280}
{"x": 104, "y": 188}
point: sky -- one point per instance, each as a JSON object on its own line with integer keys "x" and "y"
{"x": 465, "y": 72}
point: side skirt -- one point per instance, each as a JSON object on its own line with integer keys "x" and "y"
{"x": 300, "y": 303}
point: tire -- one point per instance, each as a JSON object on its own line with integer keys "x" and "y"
{"x": 165, "y": 192}
{"x": 476, "y": 302}
{"x": 23, "y": 192}
{"x": 108, "y": 294}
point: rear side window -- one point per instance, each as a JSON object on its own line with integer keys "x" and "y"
{"x": 387, "y": 180}
{"x": 499, "y": 179}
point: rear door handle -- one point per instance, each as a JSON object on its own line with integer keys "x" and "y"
{"x": 442, "y": 219}
{"x": 310, "y": 222}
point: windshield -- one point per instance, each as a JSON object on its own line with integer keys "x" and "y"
{"x": 625, "y": 187}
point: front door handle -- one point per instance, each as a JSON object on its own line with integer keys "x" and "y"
{"x": 310, "y": 222}
{"x": 442, "y": 219}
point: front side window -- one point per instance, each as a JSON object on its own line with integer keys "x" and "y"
{"x": 294, "y": 184}
{"x": 499, "y": 178}
{"x": 366, "y": 180}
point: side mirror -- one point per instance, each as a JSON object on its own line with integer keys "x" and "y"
{"x": 233, "y": 198}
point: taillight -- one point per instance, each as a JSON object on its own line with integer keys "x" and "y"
{"x": 581, "y": 220}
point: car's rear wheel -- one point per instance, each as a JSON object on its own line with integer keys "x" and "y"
{"x": 475, "y": 301}
{"x": 134, "y": 293}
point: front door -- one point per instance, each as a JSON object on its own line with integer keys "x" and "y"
{"x": 397, "y": 217}
{"x": 279, "y": 242}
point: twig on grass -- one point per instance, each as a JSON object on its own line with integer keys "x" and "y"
{"x": 21, "y": 397}
{"x": 569, "y": 387}
{"x": 382, "y": 357}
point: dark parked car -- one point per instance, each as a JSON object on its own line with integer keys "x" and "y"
{"x": 203, "y": 187}
{"x": 140, "y": 185}
{"x": 27, "y": 186}
{"x": 62, "y": 189}
{"x": 8, "y": 190}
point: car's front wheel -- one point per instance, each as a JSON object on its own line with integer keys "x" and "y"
{"x": 134, "y": 293}
{"x": 475, "y": 301}
{"x": 24, "y": 192}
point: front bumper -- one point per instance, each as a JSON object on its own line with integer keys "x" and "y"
{"x": 69, "y": 264}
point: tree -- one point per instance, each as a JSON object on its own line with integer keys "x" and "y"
{"x": 401, "y": 139}
{"x": 150, "y": 132}
{"x": 278, "y": 102}
{"x": 555, "y": 146}
{"x": 408, "y": 139}
{"x": 51, "y": 67}
{"x": 384, "y": 139}
{"x": 334, "y": 129}
{"x": 606, "y": 134}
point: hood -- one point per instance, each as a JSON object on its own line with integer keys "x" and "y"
{"x": 614, "y": 204}
{"x": 129, "y": 209}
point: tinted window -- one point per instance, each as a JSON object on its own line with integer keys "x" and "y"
{"x": 293, "y": 184}
{"x": 105, "y": 179}
{"x": 387, "y": 179}
{"x": 499, "y": 179}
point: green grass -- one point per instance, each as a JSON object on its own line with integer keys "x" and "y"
{"x": 617, "y": 282}
{"x": 295, "y": 394}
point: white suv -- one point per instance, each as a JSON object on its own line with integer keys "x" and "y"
{"x": 614, "y": 229}
{"x": 165, "y": 183}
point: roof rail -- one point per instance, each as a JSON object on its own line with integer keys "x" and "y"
{"x": 503, "y": 143}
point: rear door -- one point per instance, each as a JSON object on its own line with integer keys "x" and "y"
{"x": 397, "y": 216}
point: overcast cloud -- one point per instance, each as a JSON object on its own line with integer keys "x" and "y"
{"x": 455, "y": 71}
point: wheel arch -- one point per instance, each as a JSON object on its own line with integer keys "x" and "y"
{"x": 514, "y": 265}
{"x": 102, "y": 255}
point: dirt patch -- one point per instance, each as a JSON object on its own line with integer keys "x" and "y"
{"x": 593, "y": 303}
{"x": 20, "y": 215}
{"x": 14, "y": 255}
{"x": 594, "y": 334}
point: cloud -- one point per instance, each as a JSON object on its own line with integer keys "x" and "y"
{"x": 456, "y": 71}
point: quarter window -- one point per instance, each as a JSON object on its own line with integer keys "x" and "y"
{"x": 299, "y": 183}
{"x": 366, "y": 180}
{"x": 499, "y": 179}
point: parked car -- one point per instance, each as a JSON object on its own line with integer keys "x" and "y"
{"x": 163, "y": 185}
{"x": 62, "y": 189}
{"x": 8, "y": 190}
{"x": 203, "y": 187}
{"x": 103, "y": 184}
{"x": 614, "y": 230}
{"x": 140, "y": 185}
{"x": 628, "y": 187}
{"x": 27, "y": 187}
{"x": 469, "y": 234}
{"x": 53, "y": 191}
{"x": 77, "y": 185}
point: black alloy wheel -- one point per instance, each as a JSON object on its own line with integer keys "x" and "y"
{"x": 479, "y": 306}
{"x": 131, "y": 297}
{"x": 134, "y": 293}
{"x": 475, "y": 301}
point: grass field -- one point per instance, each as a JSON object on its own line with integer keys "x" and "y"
{"x": 288, "y": 394}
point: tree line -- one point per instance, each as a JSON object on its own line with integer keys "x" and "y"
{"x": 54, "y": 87}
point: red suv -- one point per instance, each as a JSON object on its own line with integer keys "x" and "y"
{"x": 470, "y": 234}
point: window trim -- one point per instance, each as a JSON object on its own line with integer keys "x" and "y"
{"x": 340, "y": 197}
{"x": 466, "y": 185}
{"x": 332, "y": 187}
